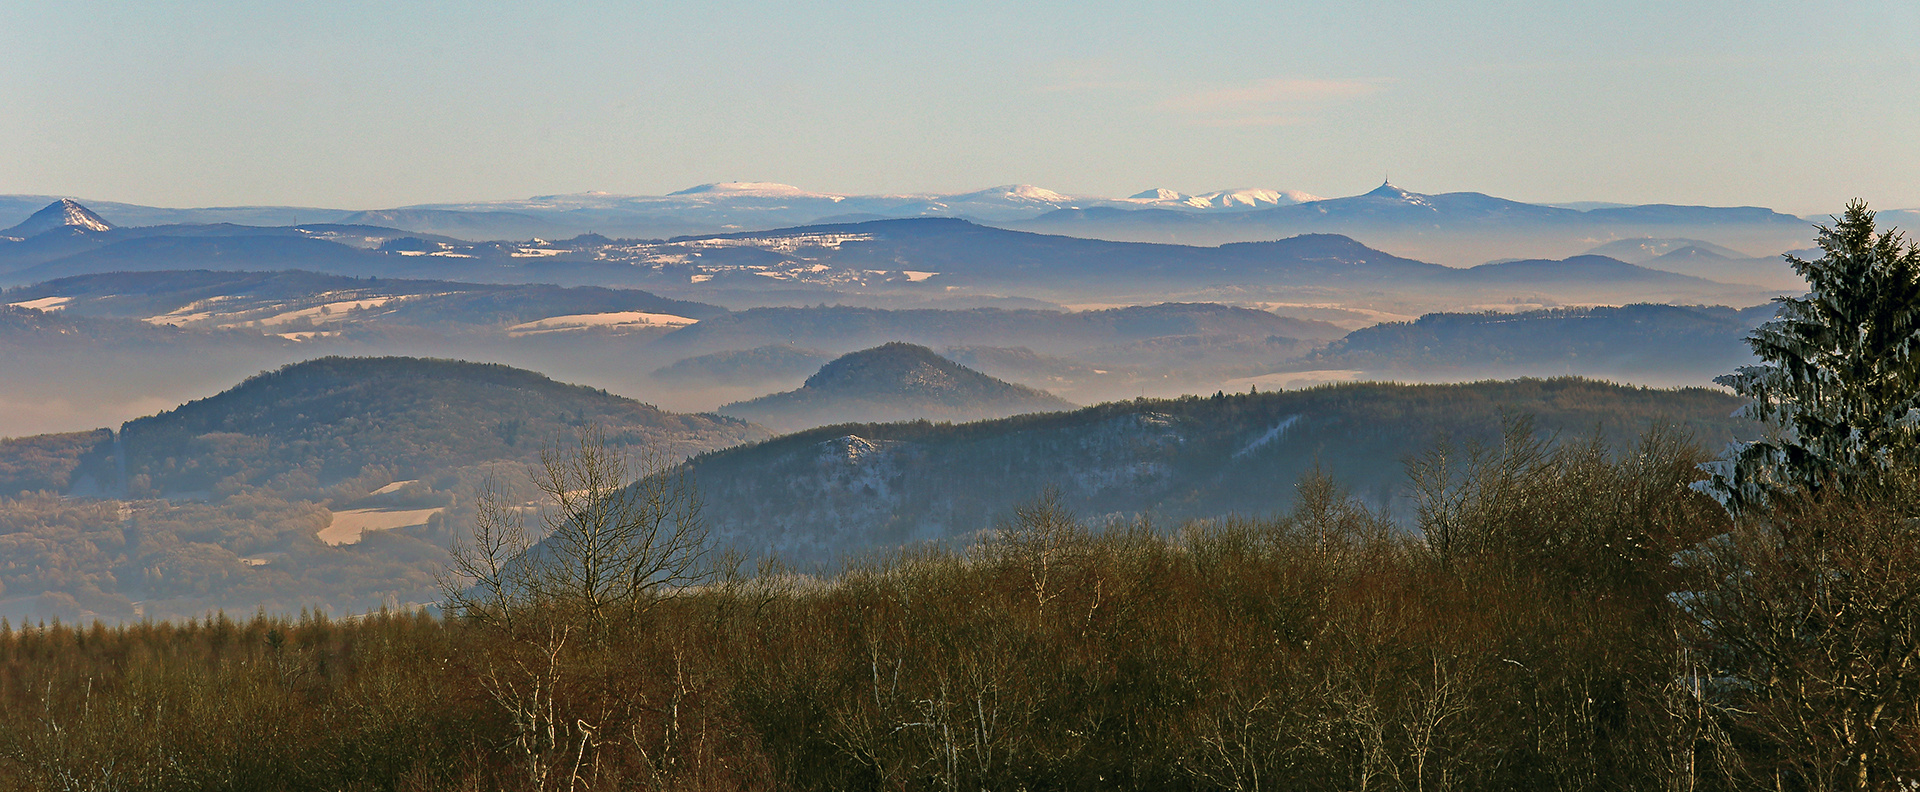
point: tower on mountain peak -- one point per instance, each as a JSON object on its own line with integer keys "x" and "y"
{"x": 1387, "y": 190}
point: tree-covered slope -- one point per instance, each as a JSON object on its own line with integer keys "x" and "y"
{"x": 335, "y": 484}
{"x": 1642, "y": 341}
{"x": 840, "y": 489}
{"x": 330, "y": 417}
{"x": 48, "y": 462}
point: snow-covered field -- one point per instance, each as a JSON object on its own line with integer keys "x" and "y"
{"x": 329, "y": 311}
{"x": 43, "y": 304}
{"x": 613, "y": 320}
{"x": 349, "y": 525}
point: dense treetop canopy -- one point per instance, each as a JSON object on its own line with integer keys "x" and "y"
{"x": 1839, "y": 378}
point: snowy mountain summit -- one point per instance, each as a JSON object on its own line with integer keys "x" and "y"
{"x": 1157, "y": 194}
{"x": 64, "y": 213}
{"x": 1021, "y": 192}
{"x": 1244, "y": 198}
{"x": 1251, "y": 198}
{"x": 755, "y": 189}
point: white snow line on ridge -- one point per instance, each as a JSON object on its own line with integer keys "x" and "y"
{"x": 1279, "y": 430}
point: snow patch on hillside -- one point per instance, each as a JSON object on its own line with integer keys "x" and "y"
{"x": 1278, "y": 431}
{"x": 44, "y": 303}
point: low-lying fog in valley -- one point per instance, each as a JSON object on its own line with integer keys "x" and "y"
{"x": 136, "y": 309}
{"x": 287, "y": 407}
{"x": 1443, "y": 396}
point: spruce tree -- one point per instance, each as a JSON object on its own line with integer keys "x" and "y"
{"x": 1838, "y": 382}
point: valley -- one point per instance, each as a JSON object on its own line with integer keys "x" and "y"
{"x": 949, "y": 397}
{"x": 300, "y": 408}
{"x": 1085, "y": 319}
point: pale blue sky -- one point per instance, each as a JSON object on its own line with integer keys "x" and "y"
{"x": 1797, "y": 106}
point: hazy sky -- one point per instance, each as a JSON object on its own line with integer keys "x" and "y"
{"x": 1794, "y": 105}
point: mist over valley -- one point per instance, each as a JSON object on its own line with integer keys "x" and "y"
{"x": 359, "y": 374}
{"x": 765, "y": 397}
{"x": 624, "y": 309}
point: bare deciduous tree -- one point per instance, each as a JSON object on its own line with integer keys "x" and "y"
{"x": 614, "y": 542}
{"x": 1040, "y": 539}
{"x": 1815, "y": 614}
{"x": 617, "y": 534}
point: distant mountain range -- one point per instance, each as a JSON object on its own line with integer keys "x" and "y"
{"x": 702, "y": 209}
{"x": 1458, "y": 229}
{"x": 1150, "y": 318}
{"x": 1641, "y": 251}
{"x": 1438, "y": 227}
{"x": 1705, "y": 259}
{"x": 364, "y": 290}
{"x": 911, "y": 259}
{"x": 113, "y": 346}
{"x": 893, "y": 382}
{"x": 337, "y": 475}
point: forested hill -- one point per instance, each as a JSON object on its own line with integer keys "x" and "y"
{"x": 1649, "y": 343}
{"x": 892, "y": 382}
{"x": 325, "y": 419}
{"x": 840, "y": 489}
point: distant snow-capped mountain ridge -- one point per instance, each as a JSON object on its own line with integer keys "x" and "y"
{"x": 1455, "y": 228}
{"x": 739, "y": 205}
{"x": 1003, "y": 203}
{"x": 733, "y": 204}
{"x": 702, "y": 209}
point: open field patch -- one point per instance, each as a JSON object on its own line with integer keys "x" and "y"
{"x": 612, "y": 320}
{"x": 349, "y": 525}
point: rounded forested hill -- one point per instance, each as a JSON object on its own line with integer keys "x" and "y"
{"x": 895, "y": 381}
{"x": 913, "y": 371}
{"x": 322, "y": 420}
